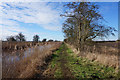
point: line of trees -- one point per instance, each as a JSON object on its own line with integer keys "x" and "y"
{"x": 83, "y": 24}
{"x": 20, "y": 37}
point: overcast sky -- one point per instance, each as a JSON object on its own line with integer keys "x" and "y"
{"x": 43, "y": 19}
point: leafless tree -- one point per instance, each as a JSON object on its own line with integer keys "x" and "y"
{"x": 84, "y": 23}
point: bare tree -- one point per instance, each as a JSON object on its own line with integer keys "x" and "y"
{"x": 11, "y": 38}
{"x": 83, "y": 23}
{"x": 36, "y": 38}
{"x": 20, "y": 37}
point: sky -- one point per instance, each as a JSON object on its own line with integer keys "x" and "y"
{"x": 43, "y": 19}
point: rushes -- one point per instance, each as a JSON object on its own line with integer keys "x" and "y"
{"x": 105, "y": 53}
{"x": 27, "y": 67}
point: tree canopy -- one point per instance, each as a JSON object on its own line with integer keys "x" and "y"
{"x": 19, "y": 37}
{"x": 84, "y": 23}
{"x": 36, "y": 38}
{"x": 44, "y": 40}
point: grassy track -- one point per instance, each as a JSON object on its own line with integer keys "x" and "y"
{"x": 65, "y": 64}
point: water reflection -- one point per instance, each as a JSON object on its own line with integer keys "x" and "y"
{"x": 19, "y": 55}
{"x": 13, "y": 64}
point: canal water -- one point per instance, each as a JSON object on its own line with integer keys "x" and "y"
{"x": 11, "y": 60}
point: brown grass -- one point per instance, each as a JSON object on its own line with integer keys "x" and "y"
{"x": 14, "y": 46}
{"x": 105, "y": 53}
{"x": 27, "y": 67}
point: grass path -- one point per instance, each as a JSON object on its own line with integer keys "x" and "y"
{"x": 65, "y": 64}
{"x": 57, "y": 67}
{"x": 66, "y": 73}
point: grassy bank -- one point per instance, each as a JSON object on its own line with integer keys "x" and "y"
{"x": 84, "y": 68}
{"x": 30, "y": 65}
{"x": 65, "y": 64}
{"x": 54, "y": 70}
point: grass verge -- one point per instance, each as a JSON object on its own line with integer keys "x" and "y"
{"x": 84, "y": 68}
{"x": 54, "y": 69}
{"x": 80, "y": 68}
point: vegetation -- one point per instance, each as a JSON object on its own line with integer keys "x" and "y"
{"x": 28, "y": 63}
{"x": 56, "y": 40}
{"x": 65, "y": 64}
{"x": 50, "y": 40}
{"x": 36, "y": 38}
{"x": 55, "y": 66}
{"x": 20, "y": 37}
{"x": 118, "y": 40}
{"x": 11, "y": 38}
{"x": 44, "y": 40}
{"x": 84, "y": 23}
{"x": 83, "y": 68}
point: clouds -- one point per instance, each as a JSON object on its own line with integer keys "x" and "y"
{"x": 8, "y": 28}
{"x": 44, "y": 14}
{"x": 38, "y": 13}
{"x": 14, "y": 13}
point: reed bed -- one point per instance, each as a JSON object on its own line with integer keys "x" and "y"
{"x": 28, "y": 66}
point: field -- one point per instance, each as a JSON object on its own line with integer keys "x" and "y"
{"x": 60, "y": 60}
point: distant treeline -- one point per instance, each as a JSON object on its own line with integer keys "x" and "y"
{"x": 21, "y": 38}
{"x": 103, "y": 41}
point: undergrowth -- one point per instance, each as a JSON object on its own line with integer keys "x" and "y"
{"x": 84, "y": 68}
{"x": 80, "y": 68}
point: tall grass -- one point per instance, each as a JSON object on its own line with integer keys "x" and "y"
{"x": 106, "y": 54}
{"x": 27, "y": 67}
{"x": 83, "y": 68}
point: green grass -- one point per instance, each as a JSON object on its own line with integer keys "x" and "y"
{"x": 84, "y": 68}
{"x": 81, "y": 68}
{"x": 56, "y": 64}
{"x": 58, "y": 73}
{"x": 118, "y": 74}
